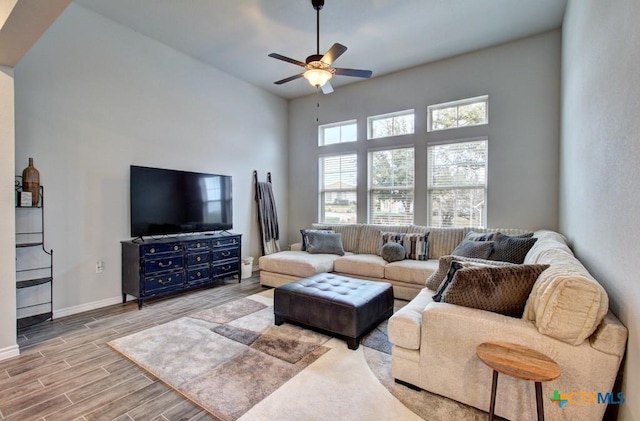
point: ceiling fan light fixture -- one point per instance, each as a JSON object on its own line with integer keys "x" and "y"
{"x": 317, "y": 77}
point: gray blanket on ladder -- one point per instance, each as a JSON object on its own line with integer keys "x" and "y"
{"x": 268, "y": 218}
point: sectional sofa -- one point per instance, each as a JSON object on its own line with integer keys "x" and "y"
{"x": 566, "y": 317}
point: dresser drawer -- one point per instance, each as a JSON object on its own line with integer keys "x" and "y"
{"x": 225, "y": 269}
{"x": 153, "y": 249}
{"x": 170, "y": 280}
{"x": 195, "y": 259}
{"x": 164, "y": 263}
{"x": 225, "y": 242}
{"x": 197, "y": 245}
{"x": 198, "y": 275}
{"x": 227, "y": 253}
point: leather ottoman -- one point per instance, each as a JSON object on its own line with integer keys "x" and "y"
{"x": 339, "y": 305}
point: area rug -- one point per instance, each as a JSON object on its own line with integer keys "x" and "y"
{"x": 232, "y": 361}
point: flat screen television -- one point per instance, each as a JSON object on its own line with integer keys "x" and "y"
{"x": 173, "y": 202}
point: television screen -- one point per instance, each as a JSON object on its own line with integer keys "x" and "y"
{"x": 171, "y": 202}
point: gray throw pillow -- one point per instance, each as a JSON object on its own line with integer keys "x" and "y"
{"x": 436, "y": 278}
{"x": 511, "y": 248}
{"x": 475, "y": 249}
{"x": 319, "y": 242}
{"x": 393, "y": 252}
{"x": 303, "y": 232}
{"x": 415, "y": 244}
{"x": 503, "y": 290}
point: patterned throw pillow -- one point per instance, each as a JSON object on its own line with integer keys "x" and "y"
{"x": 511, "y": 248}
{"x": 324, "y": 242}
{"x": 393, "y": 252}
{"x": 303, "y": 232}
{"x": 503, "y": 290}
{"x": 475, "y": 249}
{"x": 436, "y": 278}
{"x": 416, "y": 245}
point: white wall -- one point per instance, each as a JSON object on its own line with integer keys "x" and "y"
{"x": 92, "y": 98}
{"x": 522, "y": 80}
{"x": 600, "y": 152}
{"x": 8, "y": 346}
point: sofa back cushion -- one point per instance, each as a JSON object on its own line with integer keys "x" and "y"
{"x": 566, "y": 302}
{"x": 350, "y": 234}
{"x": 370, "y": 240}
{"x": 442, "y": 241}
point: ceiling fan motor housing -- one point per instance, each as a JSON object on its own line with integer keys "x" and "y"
{"x": 317, "y": 4}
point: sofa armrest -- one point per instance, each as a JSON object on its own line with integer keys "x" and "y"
{"x": 295, "y": 247}
{"x": 405, "y": 325}
{"x": 610, "y": 337}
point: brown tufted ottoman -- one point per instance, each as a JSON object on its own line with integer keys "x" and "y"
{"x": 337, "y": 304}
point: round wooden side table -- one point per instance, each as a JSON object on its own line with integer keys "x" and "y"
{"x": 519, "y": 362}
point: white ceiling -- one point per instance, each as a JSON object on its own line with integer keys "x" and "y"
{"x": 384, "y": 36}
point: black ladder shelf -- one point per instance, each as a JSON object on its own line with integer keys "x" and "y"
{"x": 34, "y": 274}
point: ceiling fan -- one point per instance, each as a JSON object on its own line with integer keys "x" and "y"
{"x": 318, "y": 69}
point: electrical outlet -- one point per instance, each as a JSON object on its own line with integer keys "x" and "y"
{"x": 99, "y": 266}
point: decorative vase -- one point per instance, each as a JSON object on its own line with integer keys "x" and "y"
{"x": 31, "y": 182}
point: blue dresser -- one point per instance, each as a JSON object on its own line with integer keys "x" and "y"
{"x": 156, "y": 267}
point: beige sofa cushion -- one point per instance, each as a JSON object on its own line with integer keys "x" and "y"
{"x": 405, "y": 325}
{"x": 297, "y": 263}
{"x": 410, "y": 271}
{"x": 366, "y": 265}
{"x": 565, "y": 303}
{"x": 443, "y": 241}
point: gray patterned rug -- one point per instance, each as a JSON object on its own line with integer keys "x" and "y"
{"x": 233, "y": 362}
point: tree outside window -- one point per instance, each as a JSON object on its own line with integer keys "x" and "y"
{"x": 391, "y": 186}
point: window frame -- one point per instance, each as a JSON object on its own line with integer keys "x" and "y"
{"x": 370, "y": 188}
{"x": 458, "y": 103}
{"x": 402, "y": 113}
{"x": 322, "y": 191}
{"x": 322, "y": 127}
{"x": 430, "y": 188}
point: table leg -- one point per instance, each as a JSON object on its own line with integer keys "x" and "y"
{"x": 539, "y": 401}
{"x": 494, "y": 386}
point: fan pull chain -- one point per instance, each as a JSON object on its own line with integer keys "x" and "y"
{"x": 318, "y": 105}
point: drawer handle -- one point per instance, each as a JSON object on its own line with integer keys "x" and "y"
{"x": 197, "y": 244}
{"x": 164, "y": 281}
{"x": 226, "y": 267}
{"x": 198, "y": 258}
{"x": 217, "y": 243}
{"x": 197, "y": 273}
{"x": 152, "y": 250}
{"x": 165, "y": 264}
{"x": 175, "y": 248}
{"x": 233, "y": 241}
{"x": 226, "y": 253}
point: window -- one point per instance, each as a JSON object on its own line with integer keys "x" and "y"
{"x": 393, "y": 124}
{"x": 391, "y": 186}
{"x": 457, "y": 184}
{"x": 466, "y": 112}
{"x": 345, "y": 131}
{"x": 338, "y": 188}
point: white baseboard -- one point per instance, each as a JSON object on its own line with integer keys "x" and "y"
{"x": 86, "y": 307}
{"x": 10, "y": 351}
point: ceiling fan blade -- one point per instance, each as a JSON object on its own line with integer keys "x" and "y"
{"x": 289, "y": 79}
{"x": 334, "y": 52}
{"x": 287, "y": 59}
{"x": 353, "y": 72}
{"x": 327, "y": 88}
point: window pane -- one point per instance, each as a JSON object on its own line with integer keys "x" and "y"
{"x": 445, "y": 118}
{"x": 391, "y": 180}
{"x": 457, "y": 182}
{"x": 457, "y": 207}
{"x": 466, "y": 112}
{"x": 338, "y": 188}
{"x": 393, "y": 124}
{"x": 472, "y": 114}
{"x": 329, "y": 134}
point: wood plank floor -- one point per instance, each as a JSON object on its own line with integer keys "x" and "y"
{"x": 65, "y": 370}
